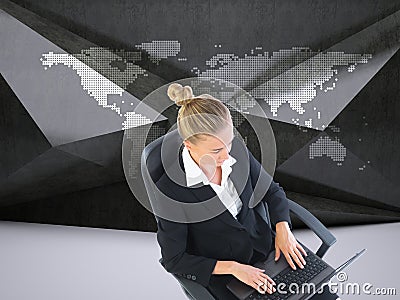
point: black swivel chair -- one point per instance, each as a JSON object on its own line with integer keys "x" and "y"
{"x": 152, "y": 170}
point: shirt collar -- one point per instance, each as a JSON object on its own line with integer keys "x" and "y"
{"x": 196, "y": 175}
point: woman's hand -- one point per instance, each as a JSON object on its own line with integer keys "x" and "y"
{"x": 254, "y": 277}
{"x": 286, "y": 243}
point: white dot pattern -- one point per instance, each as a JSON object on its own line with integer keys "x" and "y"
{"x": 158, "y": 50}
{"x": 289, "y": 76}
{"x": 324, "y": 146}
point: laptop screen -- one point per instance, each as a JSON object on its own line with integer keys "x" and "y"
{"x": 333, "y": 273}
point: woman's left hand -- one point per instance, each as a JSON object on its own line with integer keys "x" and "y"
{"x": 286, "y": 243}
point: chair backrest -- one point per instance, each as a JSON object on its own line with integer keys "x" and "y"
{"x": 152, "y": 169}
{"x": 152, "y": 153}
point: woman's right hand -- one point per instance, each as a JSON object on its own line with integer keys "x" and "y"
{"x": 254, "y": 277}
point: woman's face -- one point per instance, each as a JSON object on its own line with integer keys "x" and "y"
{"x": 213, "y": 150}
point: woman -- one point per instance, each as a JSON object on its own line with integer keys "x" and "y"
{"x": 213, "y": 251}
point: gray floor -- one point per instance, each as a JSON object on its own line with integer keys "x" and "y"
{"x": 47, "y": 262}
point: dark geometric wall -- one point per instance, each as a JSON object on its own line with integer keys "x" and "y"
{"x": 60, "y": 154}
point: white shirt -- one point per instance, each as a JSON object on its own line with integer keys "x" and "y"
{"x": 226, "y": 191}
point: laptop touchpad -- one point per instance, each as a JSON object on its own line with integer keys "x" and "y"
{"x": 272, "y": 267}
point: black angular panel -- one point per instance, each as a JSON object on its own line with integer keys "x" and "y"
{"x": 20, "y": 138}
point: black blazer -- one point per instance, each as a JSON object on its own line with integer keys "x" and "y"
{"x": 192, "y": 249}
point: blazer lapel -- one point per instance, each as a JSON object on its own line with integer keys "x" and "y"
{"x": 245, "y": 195}
{"x": 205, "y": 192}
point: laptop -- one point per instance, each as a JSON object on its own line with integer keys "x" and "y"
{"x": 316, "y": 272}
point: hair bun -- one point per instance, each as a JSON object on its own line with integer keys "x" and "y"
{"x": 177, "y": 93}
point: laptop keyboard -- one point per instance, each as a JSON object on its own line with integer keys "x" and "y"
{"x": 312, "y": 268}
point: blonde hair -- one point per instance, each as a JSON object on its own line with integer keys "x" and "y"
{"x": 200, "y": 115}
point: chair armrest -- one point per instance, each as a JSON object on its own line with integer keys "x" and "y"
{"x": 194, "y": 289}
{"x": 327, "y": 238}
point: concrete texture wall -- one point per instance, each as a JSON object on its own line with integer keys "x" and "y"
{"x": 204, "y": 29}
